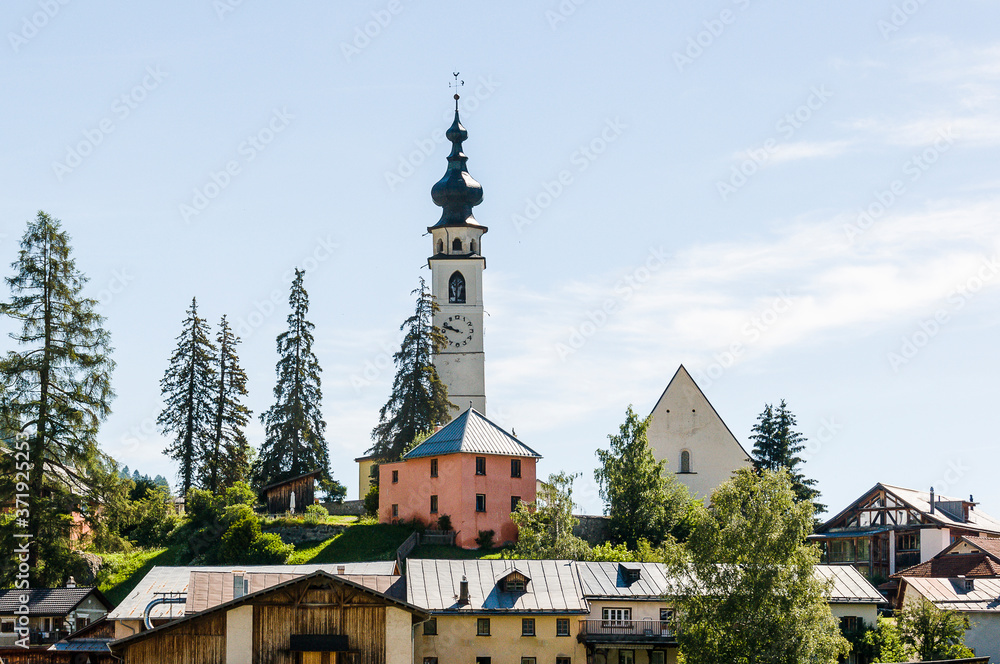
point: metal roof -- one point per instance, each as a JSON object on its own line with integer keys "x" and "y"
{"x": 48, "y": 601}
{"x": 849, "y": 585}
{"x": 162, "y": 580}
{"x": 605, "y": 580}
{"x": 471, "y": 432}
{"x": 984, "y": 597}
{"x": 554, "y": 587}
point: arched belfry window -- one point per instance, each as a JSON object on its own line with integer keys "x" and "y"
{"x": 456, "y": 244}
{"x": 440, "y": 246}
{"x": 456, "y": 289}
{"x": 472, "y": 246}
{"x": 685, "y": 461}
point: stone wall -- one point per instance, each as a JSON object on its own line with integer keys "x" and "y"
{"x": 299, "y": 534}
{"x": 346, "y": 508}
{"x": 592, "y": 528}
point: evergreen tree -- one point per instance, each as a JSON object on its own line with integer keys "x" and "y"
{"x": 419, "y": 400}
{"x": 776, "y": 446}
{"x": 56, "y": 389}
{"x": 294, "y": 441}
{"x": 227, "y": 456}
{"x": 640, "y": 499}
{"x": 187, "y": 387}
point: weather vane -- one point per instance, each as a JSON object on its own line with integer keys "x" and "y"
{"x": 456, "y": 84}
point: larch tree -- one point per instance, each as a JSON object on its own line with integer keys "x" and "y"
{"x": 56, "y": 390}
{"x": 187, "y": 387}
{"x": 640, "y": 499}
{"x": 776, "y": 446}
{"x": 227, "y": 455}
{"x": 294, "y": 439}
{"x": 419, "y": 399}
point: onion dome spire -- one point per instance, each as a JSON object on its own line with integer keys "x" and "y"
{"x": 457, "y": 192}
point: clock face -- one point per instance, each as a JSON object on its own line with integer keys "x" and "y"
{"x": 458, "y": 331}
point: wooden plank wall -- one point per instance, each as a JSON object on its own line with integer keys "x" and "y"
{"x": 279, "y": 497}
{"x": 195, "y": 642}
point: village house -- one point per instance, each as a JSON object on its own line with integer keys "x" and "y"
{"x": 293, "y": 494}
{"x": 471, "y": 470}
{"x": 52, "y": 613}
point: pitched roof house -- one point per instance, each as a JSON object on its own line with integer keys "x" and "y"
{"x": 53, "y": 613}
{"x": 977, "y": 598}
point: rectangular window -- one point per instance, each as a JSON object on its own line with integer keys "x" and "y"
{"x": 616, "y": 617}
{"x": 434, "y": 467}
{"x": 626, "y": 657}
{"x": 483, "y": 627}
{"x": 657, "y": 657}
{"x": 563, "y": 660}
{"x": 514, "y": 500}
{"x": 527, "y": 626}
{"x": 395, "y": 511}
{"x": 483, "y": 660}
{"x": 515, "y": 467}
{"x": 480, "y": 502}
{"x": 430, "y": 660}
{"x": 7, "y": 626}
{"x": 395, "y": 477}
{"x": 514, "y": 585}
{"x": 480, "y": 465}
{"x": 562, "y": 626}
{"x": 527, "y": 660}
{"x": 431, "y": 627}
{"x": 434, "y": 504}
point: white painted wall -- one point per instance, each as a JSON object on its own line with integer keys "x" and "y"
{"x": 984, "y": 635}
{"x": 933, "y": 541}
{"x": 239, "y": 634}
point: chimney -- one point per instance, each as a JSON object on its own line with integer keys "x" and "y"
{"x": 932, "y": 500}
{"x": 341, "y": 569}
{"x": 463, "y": 591}
{"x": 71, "y": 582}
{"x": 972, "y": 503}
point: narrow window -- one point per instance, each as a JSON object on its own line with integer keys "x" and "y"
{"x": 480, "y": 465}
{"x": 685, "y": 461}
{"x": 514, "y": 500}
{"x": 480, "y": 502}
{"x": 456, "y": 288}
{"x": 515, "y": 467}
{"x": 440, "y": 246}
{"x": 395, "y": 511}
{"x": 431, "y": 627}
{"x": 483, "y": 627}
{"x": 472, "y": 246}
{"x": 456, "y": 244}
{"x": 657, "y": 657}
{"x": 395, "y": 477}
{"x": 434, "y": 467}
{"x": 434, "y": 504}
{"x": 562, "y": 626}
{"x": 527, "y": 626}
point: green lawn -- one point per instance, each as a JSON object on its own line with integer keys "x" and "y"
{"x": 331, "y": 520}
{"x": 123, "y": 571}
{"x": 357, "y": 543}
{"x": 456, "y": 553}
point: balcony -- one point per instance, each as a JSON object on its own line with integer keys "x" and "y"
{"x": 649, "y": 632}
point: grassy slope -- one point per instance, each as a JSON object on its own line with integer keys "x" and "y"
{"x": 125, "y": 570}
{"x": 357, "y": 543}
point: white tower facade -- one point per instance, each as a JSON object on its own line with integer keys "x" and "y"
{"x": 457, "y": 266}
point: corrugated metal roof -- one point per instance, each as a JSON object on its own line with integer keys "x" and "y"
{"x": 604, "y": 579}
{"x": 161, "y": 580}
{"x": 48, "y": 601}
{"x": 951, "y": 593}
{"x": 207, "y": 589}
{"x": 921, "y": 500}
{"x": 471, "y": 432}
{"x": 849, "y": 585}
{"x": 434, "y": 585}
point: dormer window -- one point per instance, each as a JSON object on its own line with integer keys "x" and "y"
{"x": 969, "y": 585}
{"x": 513, "y": 581}
{"x": 514, "y": 584}
{"x": 630, "y": 573}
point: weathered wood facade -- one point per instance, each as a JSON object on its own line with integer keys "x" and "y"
{"x": 278, "y": 496}
{"x": 317, "y": 618}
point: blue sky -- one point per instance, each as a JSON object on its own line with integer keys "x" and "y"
{"x": 794, "y": 200}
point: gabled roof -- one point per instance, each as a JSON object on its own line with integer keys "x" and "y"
{"x": 473, "y": 433}
{"x": 954, "y": 565}
{"x": 603, "y": 580}
{"x": 984, "y": 597}
{"x": 434, "y": 585}
{"x": 849, "y": 586}
{"x": 988, "y": 545}
{"x": 49, "y": 601}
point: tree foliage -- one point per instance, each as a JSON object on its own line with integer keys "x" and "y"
{"x": 295, "y": 432}
{"x": 55, "y": 389}
{"x": 776, "y": 446}
{"x": 187, "y": 387}
{"x": 227, "y": 457}
{"x": 933, "y": 633}
{"x": 545, "y": 526}
{"x": 419, "y": 400}
{"x": 640, "y": 499}
{"x": 883, "y": 643}
{"x": 746, "y": 589}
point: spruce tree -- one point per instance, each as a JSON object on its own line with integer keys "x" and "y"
{"x": 187, "y": 387}
{"x": 294, "y": 439}
{"x": 776, "y": 446}
{"x": 419, "y": 400}
{"x": 227, "y": 456}
{"x": 56, "y": 390}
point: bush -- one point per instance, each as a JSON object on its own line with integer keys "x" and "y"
{"x": 371, "y": 501}
{"x": 485, "y": 539}
{"x": 239, "y": 493}
{"x": 444, "y": 523}
{"x": 315, "y": 514}
{"x": 152, "y": 520}
{"x": 268, "y": 549}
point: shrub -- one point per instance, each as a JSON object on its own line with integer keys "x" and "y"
{"x": 268, "y": 549}
{"x": 152, "y": 520}
{"x": 315, "y": 514}
{"x": 444, "y": 523}
{"x": 242, "y": 529}
{"x": 485, "y": 539}
{"x": 239, "y": 493}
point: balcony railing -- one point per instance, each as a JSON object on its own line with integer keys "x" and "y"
{"x": 626, "y": 630}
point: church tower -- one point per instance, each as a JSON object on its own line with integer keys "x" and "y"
{"x": 457, "y": 266}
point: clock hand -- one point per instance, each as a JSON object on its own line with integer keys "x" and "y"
{"x": 449, "y": 327}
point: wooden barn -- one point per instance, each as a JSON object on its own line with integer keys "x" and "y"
{"x": 314, "y": 619}
{"x": 278, "y": 496}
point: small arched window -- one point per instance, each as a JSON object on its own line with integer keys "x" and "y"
{"x": 440, "y": 246}
{"x": 472, "y": 246}
{"x": 456, "y": 289}
{"x": 685, "y": 461}
{"x": 456, "y": 244}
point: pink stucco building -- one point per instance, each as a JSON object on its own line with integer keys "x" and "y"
{"x": 471, "y": 470}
